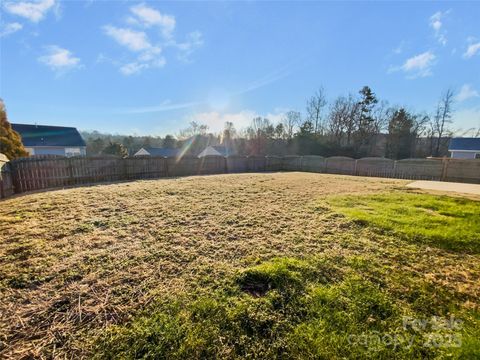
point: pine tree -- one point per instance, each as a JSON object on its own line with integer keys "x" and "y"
{"x": 10, "y": 141}
{"x": 400, "y": 135}
{"x": 114, "y": 148}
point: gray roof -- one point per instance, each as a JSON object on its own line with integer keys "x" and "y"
{"x": 222, "y": 150}
{"x": 464, "y": 144}
{"x": 45, "y": 135}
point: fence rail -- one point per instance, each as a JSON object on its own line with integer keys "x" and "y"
{"x": 36, "y": 173}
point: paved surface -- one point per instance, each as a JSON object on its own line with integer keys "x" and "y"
{"x": 446, "y": 186}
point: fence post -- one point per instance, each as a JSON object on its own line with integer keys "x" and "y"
{"x": 125, "y": 168}
{"x": 70, "y": 172}
{"x": 17, "y": 188}
{"x": 165, "y": 161}
{"x": 445, "y": 162}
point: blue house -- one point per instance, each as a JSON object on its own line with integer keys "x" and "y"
{"x": 51, "y": 140}
{"x": 464, "y": 148}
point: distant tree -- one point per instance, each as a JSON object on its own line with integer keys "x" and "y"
{"x": 95, "y": 146}
{"x": 365, "y": 128}
{"x": 315, "y": 106}
{"x": 169, "y": 142}
{"x": 147, "y": 142}
{"x": 193, "y": 129}
{"x": 228, "y": 134}
{"x": 279, "y": 131}
{"x": 291, "y": 120}
{"x": 343, "y": 119}
{"x": 114, "y": 148}
{"x": 259, "y": 134}
{"x": 128, "y": 142}
{"x": 306, "y": 139}
{"x": 441, "y": 120}
{"x": 367, "y": 103}
{"x": 10, "y": 141}
{"x": 400, "y": 135}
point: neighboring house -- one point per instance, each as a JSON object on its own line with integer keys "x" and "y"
{"x": 465, "y": 148}
{"x": 151, "y": 151}
{"x": 51, "y": 140}
{"x": 218, "y": 150}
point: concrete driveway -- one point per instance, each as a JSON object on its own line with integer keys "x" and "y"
{"x": 463, "y": 188}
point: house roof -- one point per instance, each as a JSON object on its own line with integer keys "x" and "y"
{"x": 466, "y": 144}
{"x": 165, "y": 152}
{"x": 218, "y": 150}
{"x": 44, "y": 135}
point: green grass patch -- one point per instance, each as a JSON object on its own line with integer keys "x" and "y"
{"x": 285, "y": 308}
{"x": 446, "y": 222}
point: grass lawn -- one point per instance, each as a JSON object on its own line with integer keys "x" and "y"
{"x": 451, "y": 223}
{"x": 287, "y": 265}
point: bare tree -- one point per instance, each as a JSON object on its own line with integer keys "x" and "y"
{"x": 343, "y": 119}
{"x": 192, "y": 130}
{"x": 380, "y": 117}
{"x": 420, "y": 128}
{"x": 353, "y": 117}
{"x": 259, "y": 133}
{"x": 228, "y": 134}
{"x": 442, "y": 118}
{"x": 315, "y": 106}
{"x": 291, "y": 120}
{"x": 336, "y": 123}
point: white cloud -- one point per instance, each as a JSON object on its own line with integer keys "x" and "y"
{"x": 131, "y": 39}
{"x": 193, "y": 41}
{"x": 466, "y": 92}
{"x": 59, "y": 59}
{"x": 148, "y": 17}
{"x": 436, "y": 24}
{"x": 467, "y": 118}
{"x": 132, "y": 68}
{"x": 472, "y": 50}
{"x": 31, "y": 10}
{"x": 419, "y": 62}
{"x": 417, "y": 66}
{"x": 138, "y": 66}
{"x": 137, "y": 41}
{"x": 436, "y": 21}
{"x": 10, "y": 28}
{"x": 164, "y": 106}
{"x": 216, "y": 120}
{"x": 399, "y": 49}
{"x": 154, "y": 36}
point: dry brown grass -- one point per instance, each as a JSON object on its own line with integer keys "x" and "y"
{"x": 74, "y": 261}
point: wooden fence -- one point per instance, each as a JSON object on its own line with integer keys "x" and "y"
{"x": 6, "y": 184}
{"x": 35, "y": 173}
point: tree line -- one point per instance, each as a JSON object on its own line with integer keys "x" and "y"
{"x": 356, "y": 125}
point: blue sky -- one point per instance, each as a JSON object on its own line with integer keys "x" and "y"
{"x": 151, "y": 67}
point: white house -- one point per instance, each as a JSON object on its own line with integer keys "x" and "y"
{"x": 464, "y": 148}
{"x": 217, "y": 150}
{"x": 152, "y": 151}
